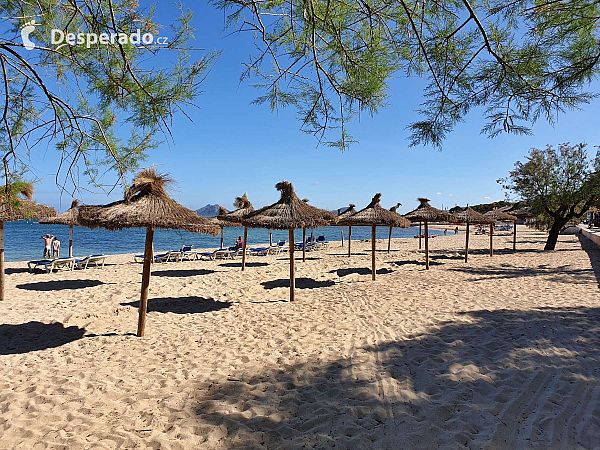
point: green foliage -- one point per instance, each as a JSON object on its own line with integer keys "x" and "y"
{"x": 481, "y": 208}
{"x": 103, "y": 106}
{"x": 559, "y": 185}
{"x": 520, "y": 60}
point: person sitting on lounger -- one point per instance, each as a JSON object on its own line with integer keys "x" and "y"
{"x": 239, "y": 243}
{"x": 47, "y": 245}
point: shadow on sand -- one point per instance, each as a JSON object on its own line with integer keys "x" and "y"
{"x": 33, "y": 336}
{"x": 176, "y": 273}
{"x": 493, "y": 379}
{"x": 182, "y": 305}
{"x": 359, "y": 271}
{"x": 301, "y": 283}
{"x": 248, "y": 264}
{"x": 59, "y": 285}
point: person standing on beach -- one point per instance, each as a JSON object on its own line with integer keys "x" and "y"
{"x": 55, "y": 248}
{"x": 456, "y": 230}
{"x": 47, "y": 245}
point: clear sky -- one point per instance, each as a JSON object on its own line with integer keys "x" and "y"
{"x": 232, "y": 146}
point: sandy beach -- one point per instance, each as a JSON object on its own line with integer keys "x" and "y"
{"x": 500, "y": 352}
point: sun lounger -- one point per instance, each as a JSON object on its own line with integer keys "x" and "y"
{"x": 322, "y": 241}
{"x": 186, "y": 252}
{"x": 53, "y": 264}
{"x": 260, "y": 251}
{"x": 162, "y": 257}
{"x": 221, "y": 253}
{"x": 96, "y": 260}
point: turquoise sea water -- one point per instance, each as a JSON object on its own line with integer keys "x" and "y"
{"x": 23, "y": 242}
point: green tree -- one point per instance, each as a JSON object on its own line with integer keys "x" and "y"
{"x": 101, "y": 105}
{"x": 559, "y": 185}
{"x": 332, "y": 59}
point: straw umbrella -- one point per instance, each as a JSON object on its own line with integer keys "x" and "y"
{"x": 469, "y": 216}
{"x": 345, "y": 215}
{"x": 13, "y": 208}
{"x": 498, "y": 216}
{"x": 374, "y": 214}
{"x": 69, "y": 217}
{"x": 234, "y": 218}
{"x": 521, "y": 214}
{"x": 427, "y": 213}
{"x": 146, "y": 205}
{"x": 289, "y": 213}
{"x": 392, "y": 209}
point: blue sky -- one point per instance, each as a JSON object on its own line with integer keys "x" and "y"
{"x": 232, "y": 146}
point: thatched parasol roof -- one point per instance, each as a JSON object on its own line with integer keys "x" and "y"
{"x": 499, "y": 215}
{"x": 288, "y": 213}
{"x": 469, "y": 215}
{"x": 375, "y": 214}
{"x": 14, "y": 208}
{"x": 521, "y": 213}
{"x": 146, "y": 205}
{"x": 351, "y": 210}
{"x": 69, "y": 217}
{"x": 427, "y": 213}
{"x": 244, "y": 207}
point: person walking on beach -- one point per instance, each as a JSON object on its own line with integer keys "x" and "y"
{"x": 47, "y": 245}
{"x": 456, "y": 230}
{"x": 55, "y": 248}
{"x": 445, "y": 231}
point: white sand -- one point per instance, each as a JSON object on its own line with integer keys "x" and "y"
{"x": 501, "y": 352}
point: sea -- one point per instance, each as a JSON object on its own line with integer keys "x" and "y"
{"x": 23, "y": 238}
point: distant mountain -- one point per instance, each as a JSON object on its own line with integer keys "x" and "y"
{"x": 342, "y": 210}
{"x": 208, "y": 211}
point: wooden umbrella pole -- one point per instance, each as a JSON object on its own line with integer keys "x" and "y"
{"x": 515, "y": 236}
{"x": 426, "y": 246}
{"x": 221, "y": 238}
{"x": 303, "y": 244}
{"x": 373, "y": 252}
{"x": 419, "y": 235}
{"x": 270, "y": 238}
{"x": 1, "y": 261}
{"x": 292, "y": 274}
{"x": 390, "y": 240}
{"x": 342, "y": 232}
{"x": 491, "y": 239}
{"x": 148, "y": 256}
{"x": 467, "y": 243}
{"x": 349, "y": 239}
{"x": 70, "y": 241}
{"x": 244, "y": 248}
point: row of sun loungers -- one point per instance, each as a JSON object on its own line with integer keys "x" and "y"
{"x": 187, "y": 252}
{"x": 68, "y": 263}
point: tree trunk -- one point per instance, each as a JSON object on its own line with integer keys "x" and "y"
{"x": 1, "y": 261}
{"x": 553, "y": 233}
{"x": 148, "y": 257}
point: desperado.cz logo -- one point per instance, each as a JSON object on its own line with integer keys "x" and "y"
{"x": 60, "y": 38}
